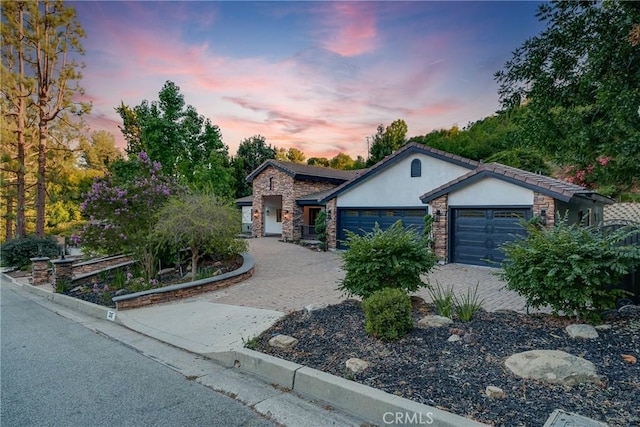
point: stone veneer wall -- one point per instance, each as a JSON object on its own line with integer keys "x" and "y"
{"x": 186, "y": 290}
{"x": 99, "y": 264}
{"x": 332, "y": 231}
{"x": 540, "y": 202}
{"x": 283, "y": 185}
{"x": 303, "y": 188}
{"x": 440, "y": 235}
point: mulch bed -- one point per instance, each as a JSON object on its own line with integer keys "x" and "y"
{"x": 452, "y": 376}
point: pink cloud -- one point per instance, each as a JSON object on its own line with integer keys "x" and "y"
{"x": 349, "y": 28}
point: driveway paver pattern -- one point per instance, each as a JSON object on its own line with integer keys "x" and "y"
{"x": 288, "y": 277}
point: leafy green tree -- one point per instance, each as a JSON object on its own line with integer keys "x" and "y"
{"x": 393, "y": 258}
{"x": 291, "y": 155}
{"x": 201, "y": 223}
{"x": 172, "y": 133}
{"x": 387, "y": 140}
{"x": 580, "y": 82}
{"x": 341, "y": 161}
{"x": 251, "y": 153}
{"x": 99, "y": 151}
{"x": 318, "y": 161}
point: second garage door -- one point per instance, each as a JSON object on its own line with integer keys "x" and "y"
{"x": 476, "y": 234}
{"x": 359, "y": 220}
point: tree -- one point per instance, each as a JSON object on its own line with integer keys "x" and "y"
{"x": 201, "y": 223}
{"x": 251, "y": 153}
{"x": 52, "y": 38}
{"x": 98, "y": 152}
{"x": 172, "y": 133}
{"x": 17, "y": 88}
{"x": 387, "y": 140}
{"x": 122, "y": 208}
{"x": 318, "y": 161}
{"x": 291, "y": 155}
{"x": 580, "y": 81}
{"x": 341, "y": 161}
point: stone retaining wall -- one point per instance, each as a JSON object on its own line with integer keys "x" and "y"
{"x": 186, "y": 290}
{"x": 99, "y": 264}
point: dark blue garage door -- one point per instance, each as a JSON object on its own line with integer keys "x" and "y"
{"x": 478, "y": 233}
{"x": 363, "y": 220}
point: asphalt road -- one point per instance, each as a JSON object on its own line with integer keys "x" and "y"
{"x": 55, "y": 372}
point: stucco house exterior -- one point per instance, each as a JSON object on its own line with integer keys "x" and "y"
{"x": 476, "y": 206}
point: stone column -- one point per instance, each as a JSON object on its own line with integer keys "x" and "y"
{"x": 440, "y": 235}
{"x": 548, "y": 205}
{"x": 62, "y": 273}
{"x": 39, "y": 271}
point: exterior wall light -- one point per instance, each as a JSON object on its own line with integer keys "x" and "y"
{"x": 437, "y": 216}
{"x": 543, "y": 216}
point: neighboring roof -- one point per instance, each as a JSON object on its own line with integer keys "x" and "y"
{"x": 313, "y": 198}
{"x": 244, "y": 201}
{"x": 622, "y": 211}
{"x": 302, "y": 172}
{"x": 411, "y": 148}
{"x": 560, "y": 190}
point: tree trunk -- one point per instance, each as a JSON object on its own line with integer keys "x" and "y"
{"x": 194, "y": 262}
{"x": 8, "y": 221}
{"x": 41, "y": 188}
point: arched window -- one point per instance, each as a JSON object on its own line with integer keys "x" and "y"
{"x": 271, "y": 183}
{"x": 416, "y": 168}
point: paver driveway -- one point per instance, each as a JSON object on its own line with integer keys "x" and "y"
{"x": 288, "y": 277}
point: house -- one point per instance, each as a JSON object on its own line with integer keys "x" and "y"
{"x": 285, "y": 197}
{"x": 479, "y": 211}
{"x": 476, "y": 206}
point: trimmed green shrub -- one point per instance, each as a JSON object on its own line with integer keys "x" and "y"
{"x": 321, "y": 229}
{"x": 569, "y": 268}
{"x": 18, "y": 252}
{"x": 393, "y": 258}
{"x": 388, "y": 314}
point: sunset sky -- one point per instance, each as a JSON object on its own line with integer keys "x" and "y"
{"x": 318, "y": 76}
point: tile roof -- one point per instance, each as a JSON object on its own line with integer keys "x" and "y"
{"x": 555, "y": 188}
{"x": 301, "y": 171}
{"x": 622, "y": 211}
{"x": 412, "y": 147}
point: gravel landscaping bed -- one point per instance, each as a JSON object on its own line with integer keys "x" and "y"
{"x": 424, "y": 367}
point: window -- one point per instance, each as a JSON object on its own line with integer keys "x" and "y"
{"x": 278, "y": 215}
{"x": 416, "y": 168}
{"x": 271, "y": 183}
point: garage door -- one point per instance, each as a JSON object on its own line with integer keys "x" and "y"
{"x": 478, "y": 233}
{"x": 363, "y": 220}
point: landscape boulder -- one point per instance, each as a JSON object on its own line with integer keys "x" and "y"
{"x": 552, "y": 366}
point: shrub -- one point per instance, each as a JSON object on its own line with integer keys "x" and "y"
{"x": 18, "y": 252}
{"x": 569, "y": 268}
{"x": 393, "y": 258}
{"x": 321, "y": 229}
{"x": 388, "y": 314}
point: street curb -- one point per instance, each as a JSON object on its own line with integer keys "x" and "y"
{"x": 354, "y": 398}
{"x": 85, "y": 307}
{"x": 269, "y": 368}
